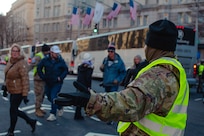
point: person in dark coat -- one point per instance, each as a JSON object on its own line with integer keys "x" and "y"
{"x": 85, "y": 70}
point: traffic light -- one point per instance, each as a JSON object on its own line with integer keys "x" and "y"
{"x": 95, "y": 28}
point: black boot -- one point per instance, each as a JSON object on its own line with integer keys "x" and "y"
{"x": 33, "y": 125}
{"x": 77, "y": 115}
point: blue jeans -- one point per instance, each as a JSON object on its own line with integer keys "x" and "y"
{"x": 51, "y": 93}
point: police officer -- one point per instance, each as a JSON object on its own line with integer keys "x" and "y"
{"x": 156, "y": 102}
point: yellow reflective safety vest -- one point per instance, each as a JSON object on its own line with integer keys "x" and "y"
{"x": 39, "y": 54}
{"x": 200, "y": 69}
{"x": 174, "y": 123}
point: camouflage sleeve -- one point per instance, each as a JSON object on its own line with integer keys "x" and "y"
{"x": 154, "y": 91}
{"x": 35, "y": 61}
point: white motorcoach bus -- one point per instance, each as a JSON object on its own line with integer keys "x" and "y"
{"x": 131, "y": 42}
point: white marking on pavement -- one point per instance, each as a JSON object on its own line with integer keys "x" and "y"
{"x": 70, "y": 78}
{"x": 4, "y": 133}
{"x": 94, "y": 118}
{"x": 98, "y": 134}
{"x": 27, "y": 107}
{"x": 198, "y": 99}
{"x": 5, "y": 98}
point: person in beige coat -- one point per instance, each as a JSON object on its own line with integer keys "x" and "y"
{"x": 17, "y": 83}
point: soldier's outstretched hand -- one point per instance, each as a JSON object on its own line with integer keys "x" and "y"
{"x": 79, "y": 98}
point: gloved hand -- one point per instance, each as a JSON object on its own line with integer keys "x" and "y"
{"x": 5, "y": 94}
{"x": 75, "y": 98}
{"x": 25, "y": 99}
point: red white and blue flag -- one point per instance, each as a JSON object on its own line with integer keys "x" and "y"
{"x": 75, "y": 16}
{"x": 133, "y": 9}
{"x": 115, "y": 10}
{"x": 88, "y": 17}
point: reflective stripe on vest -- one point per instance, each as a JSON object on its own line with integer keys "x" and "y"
{"x": 175, "y": 121}
{"x": 39, "y": 54}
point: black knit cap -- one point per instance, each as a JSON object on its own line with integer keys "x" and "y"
{"x": 162, "y": 35}
{"x": 45, "y": 48}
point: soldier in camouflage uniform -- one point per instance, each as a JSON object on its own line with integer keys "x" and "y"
{"x": 153, "y": 104}
{"x": 38, "y": 82}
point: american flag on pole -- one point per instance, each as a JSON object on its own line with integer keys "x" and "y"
{"x": 75, "y": 16}
{"x": 133, "y": 8}
{"x": 115, "y": 10}
{"x": 88, "y": 17}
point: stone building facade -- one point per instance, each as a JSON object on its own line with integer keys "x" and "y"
{"x": 49, "y": 20}
{"x": 21, "y": 19}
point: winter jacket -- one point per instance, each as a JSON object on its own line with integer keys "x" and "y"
{"x": 53, "y": 69}
{"x": 17, "y": 78}
{"x": 85, "y": 74}
{"x": 113, "y": 70}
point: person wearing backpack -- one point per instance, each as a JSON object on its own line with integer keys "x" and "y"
{"x": 200, "y": 77}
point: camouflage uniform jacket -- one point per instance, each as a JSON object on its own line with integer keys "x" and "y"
{"x": 138, "y": 99}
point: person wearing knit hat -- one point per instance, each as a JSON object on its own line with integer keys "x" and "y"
{"x": 45, "y": 48}
{"x": 162, "y": 35}
{"x": 113, "y": 69}
{"x": 38, "y": 82}
{"x": 155, "y": 103}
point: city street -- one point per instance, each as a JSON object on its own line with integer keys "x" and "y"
{"x": 91, "y": 126}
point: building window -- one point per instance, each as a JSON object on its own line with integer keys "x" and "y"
{"x": 180, "y": 18}
{"x": 37, "y": 12}
{"x": 44, "y": 28}
{"x": 188, "y": 18}
{"x": 58, "y": 27}
{"x": 104, "y": 23}
{"x": 37, "y": 28}
{"x": 180, "y": 1}
{"x": 139, "y": 21}
{"x": 47, "y": 12}
{"x": 56, "y": 11}
{"x": 132, "y": 22}
{"x": 47, "y": 1}
{"x": 54, "y": 27}
{"x": 109, "y": 23}
{"x": 145, "y": 20}
{"x": 48, "y": 27}
{"x": 115, "y": 22}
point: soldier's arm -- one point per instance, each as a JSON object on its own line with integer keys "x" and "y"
{"x": 143, "y": 96}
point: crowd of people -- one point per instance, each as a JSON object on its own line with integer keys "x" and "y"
{"x": 155, "y": 93}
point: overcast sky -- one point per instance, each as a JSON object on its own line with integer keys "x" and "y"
{"x": 5, "y": 6}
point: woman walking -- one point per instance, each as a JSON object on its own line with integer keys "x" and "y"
{"x": 17, "y": 83}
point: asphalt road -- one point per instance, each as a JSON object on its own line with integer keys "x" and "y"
{"x": 91, "y": 126}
